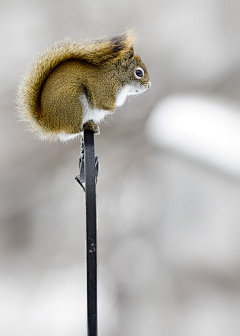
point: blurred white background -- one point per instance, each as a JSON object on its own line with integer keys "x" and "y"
{"x": 169, "y": 185}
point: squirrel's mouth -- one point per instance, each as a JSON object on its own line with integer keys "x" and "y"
{"x": 143, "y": 88}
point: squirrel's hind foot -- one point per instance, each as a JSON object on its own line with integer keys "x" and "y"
{"x": 91, "y": 126}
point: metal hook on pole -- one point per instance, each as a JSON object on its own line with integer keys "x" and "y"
{"x": 81, "y": 177}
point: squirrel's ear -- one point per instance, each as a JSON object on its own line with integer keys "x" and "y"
{"x": 130, "y": 53}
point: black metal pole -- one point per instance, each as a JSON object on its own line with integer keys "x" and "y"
{"x": 91, "y": 232}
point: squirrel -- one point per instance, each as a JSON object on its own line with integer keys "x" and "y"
{"x": 73, "y": 86}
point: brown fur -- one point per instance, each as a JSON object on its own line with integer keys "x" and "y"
{"x": 49, "y": 95}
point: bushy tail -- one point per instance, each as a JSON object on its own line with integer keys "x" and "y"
{"x": 107, "y": 49}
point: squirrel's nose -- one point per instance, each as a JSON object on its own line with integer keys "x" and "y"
{"x": 149, "y": 85}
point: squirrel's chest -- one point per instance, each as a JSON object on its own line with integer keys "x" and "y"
{"x": 96, "y": 114}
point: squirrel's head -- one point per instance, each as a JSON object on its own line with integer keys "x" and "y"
{"x": 133, "y": 73}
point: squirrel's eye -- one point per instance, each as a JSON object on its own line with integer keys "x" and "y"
{"x": 138, "y": 73}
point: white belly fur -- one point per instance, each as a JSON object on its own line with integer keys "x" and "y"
{"x": 97, "y": 115}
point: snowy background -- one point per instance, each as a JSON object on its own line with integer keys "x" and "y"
{"x": 169, "y": 185}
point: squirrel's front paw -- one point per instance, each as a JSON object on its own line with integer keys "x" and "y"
{"x": 91, "y": 126}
